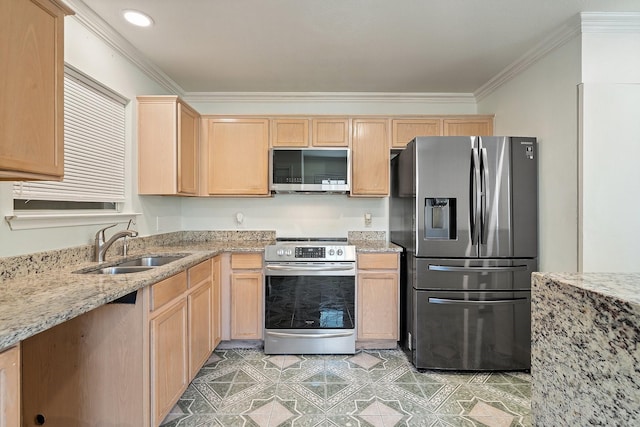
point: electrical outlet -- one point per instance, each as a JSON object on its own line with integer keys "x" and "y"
{"x": 367, "y": 219}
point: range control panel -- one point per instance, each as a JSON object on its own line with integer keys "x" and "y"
{"x": 310, "y": 253}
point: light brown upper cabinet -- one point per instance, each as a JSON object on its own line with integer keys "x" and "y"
{"x": 167, "y": 146}
{"x": 404, "y": 130}
{"x": 325, "y": 132}
{"x": 370, "y": 157}
{"x": 480, "y": 126}
{"x": 32, "y": 89}
{"x": 237, "y": 156}
{"x": 330, "y": 132}
{"x": 289, "y": 132}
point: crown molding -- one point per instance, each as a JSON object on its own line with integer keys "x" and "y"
{"x": 585, "y": 22}
{"x": 332, "y": 97}
{"x": 94, "y": 23}
{"x": 606, "y": 22}
{"x": 557, "y": 38}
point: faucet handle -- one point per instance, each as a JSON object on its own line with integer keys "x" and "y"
{"x": 100, "y": 233}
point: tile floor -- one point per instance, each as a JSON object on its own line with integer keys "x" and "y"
{"x": 245, "y": 387}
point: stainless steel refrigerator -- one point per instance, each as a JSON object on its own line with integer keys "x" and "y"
{"x": 465, "y": 211}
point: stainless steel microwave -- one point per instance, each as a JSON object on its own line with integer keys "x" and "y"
{"x": 307, "y": 170}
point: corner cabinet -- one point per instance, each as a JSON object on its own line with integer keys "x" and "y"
{"x": 370, "y": 157}
{"x": 125, "y": 363}
{"x": 167, "y": 146}
{"x": 32, "y": 88}
{"x": 378, "y": 296}
{"x": 246, "y": 296}
{"x": 237, "y": 157}
{"x": 10, "y": 387}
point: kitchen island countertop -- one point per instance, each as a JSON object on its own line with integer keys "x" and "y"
{"x": 585, "y": 348}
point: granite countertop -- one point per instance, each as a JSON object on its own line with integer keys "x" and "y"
{"x": 45, "y": 297}
{"x": 622, "y": 287}
{"x": 585, "y": 330}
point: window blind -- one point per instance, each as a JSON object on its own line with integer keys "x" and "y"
{"x": 94, "y": 146}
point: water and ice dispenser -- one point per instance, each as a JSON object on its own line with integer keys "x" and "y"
{"x": 440, "y": 218}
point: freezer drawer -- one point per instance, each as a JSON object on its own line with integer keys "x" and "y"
{"x": 474, "y": 274}
{"x": 472, "y": 330}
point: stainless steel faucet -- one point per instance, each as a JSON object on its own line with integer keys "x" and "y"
{"x": 101, "y": 247}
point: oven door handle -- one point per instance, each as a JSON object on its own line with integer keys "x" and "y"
{"x": 292, "y": 335}
{"x": 308, "y": 268}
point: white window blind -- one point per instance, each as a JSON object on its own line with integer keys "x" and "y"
{"x": 94, "y": 146}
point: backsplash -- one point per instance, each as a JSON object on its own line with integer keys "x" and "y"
{"x": 367, "y": 235}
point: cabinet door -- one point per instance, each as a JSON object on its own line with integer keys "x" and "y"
{"x": 468, "y": 127}
{"x": 289, "y": 133}
{"x": 188, "y": 125}
{"x": 238, "y": 157}
{"x": 246, "y": 305}
{"x": 200, "y": 325}
{"x": 10, "y": 387}
{"x": 370, "y": 158}
{"x": 31, "y": 84}
{"x": 330, "y": 132}
{"x": 169, "y": 358}
{"x": 404, "y": 130}
{"x": 378, "y": 306}
{"x": 216, "y": 308}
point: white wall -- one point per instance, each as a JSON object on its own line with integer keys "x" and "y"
{"x": 610, "y": 149}
{"x": 542, "y": 102}
{"x": 84, "y": 51}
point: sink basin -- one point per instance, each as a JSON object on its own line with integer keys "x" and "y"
{"x": 150, "y": 261}
{"x": 116, "y": 270}
{"x": 135, "y": 265}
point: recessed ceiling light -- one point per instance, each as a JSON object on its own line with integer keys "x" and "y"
{"x": 137, "y": 18}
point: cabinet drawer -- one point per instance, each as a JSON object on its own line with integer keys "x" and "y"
{"x": 199, "y": 273}
{"x": 377, "y": 261}
{"x": 168, "y": 289}
{"x": 246, "y": 261}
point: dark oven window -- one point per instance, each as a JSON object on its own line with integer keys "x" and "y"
{"x": 309, "y": 302}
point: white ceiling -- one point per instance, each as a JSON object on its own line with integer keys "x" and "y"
{"x": 429, "y": 46}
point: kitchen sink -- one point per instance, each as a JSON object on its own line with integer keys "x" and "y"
{"x": 135, "y": 265}
{"x": 118, "y": 270}
{"x": 150, "y": 261}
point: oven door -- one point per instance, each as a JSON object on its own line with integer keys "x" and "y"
{"x": 309, "y": 308}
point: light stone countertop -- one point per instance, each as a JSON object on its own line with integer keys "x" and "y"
{"x": 585, "y": 350}
{"x": 43, "y": 293}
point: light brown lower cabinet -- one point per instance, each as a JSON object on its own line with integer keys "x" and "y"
{"x": 10, "y": 387}
{"x": 216, "y": 298}
{"x": 123, "y": 364}
{"x": 169, "y": 357}
{"x": 246, "y": 296}
{"x": 378, "y": 298}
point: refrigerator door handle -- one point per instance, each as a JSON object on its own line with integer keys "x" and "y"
{"x": 475, "y": 302}
{"x": 457, "y": 269}
{"x": 483, "y": 196}
{"x": 474, "y": 206}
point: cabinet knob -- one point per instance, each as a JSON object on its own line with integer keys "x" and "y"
{"x": 39, "y": 420}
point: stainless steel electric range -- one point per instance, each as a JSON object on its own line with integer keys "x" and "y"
{"x": 310, "y": 296}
